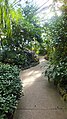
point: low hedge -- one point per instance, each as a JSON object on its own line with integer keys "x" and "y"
{"x": 58, "y": 74}
{"x": 23, "y": 59}
{"x": 10, "y": 90}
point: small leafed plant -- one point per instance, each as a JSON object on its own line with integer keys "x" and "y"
{"x": 10, "y": 90}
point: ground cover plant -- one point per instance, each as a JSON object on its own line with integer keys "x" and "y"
{"x": 10, "y": 90}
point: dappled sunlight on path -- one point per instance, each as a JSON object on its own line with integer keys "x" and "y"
{"x": 30, "y": 77}
{"x": 41, "y": 99}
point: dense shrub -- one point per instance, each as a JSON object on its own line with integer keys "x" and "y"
{"x": 20, "y": 58}
{"x": 10, "y": 90}
{"x": 57, "y": 52}
{"x": 13, "y": 57}
{"x": 32, "y": 58}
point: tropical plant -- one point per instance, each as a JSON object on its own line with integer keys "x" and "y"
{"x": 57, "y": 50}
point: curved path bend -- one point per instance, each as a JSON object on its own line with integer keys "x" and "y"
{"x": 41, "y": 100}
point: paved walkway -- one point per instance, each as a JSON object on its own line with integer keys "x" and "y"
{"x": 41, "y": 99}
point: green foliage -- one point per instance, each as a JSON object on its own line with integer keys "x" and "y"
{"x": 29, "y": 11}
{"x": 5, "y": 25}
{"x": 31, "y": 26}
{"x": 10, "y": 90}
{"x": 20, "y": 58}
{"x": 24, "y": 34}
{"x": 57, "y": 51}
{"x": 58, "y": 73}
{"x": 7, "y": 14}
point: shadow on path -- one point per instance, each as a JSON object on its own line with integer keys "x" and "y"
{"x": 41, "y": 99}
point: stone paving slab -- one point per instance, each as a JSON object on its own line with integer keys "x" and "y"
{"x": 41, "y": 99}
{"x": 41, "y": 114}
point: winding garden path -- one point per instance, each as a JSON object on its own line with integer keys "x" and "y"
{"x": 41, "y": 99}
